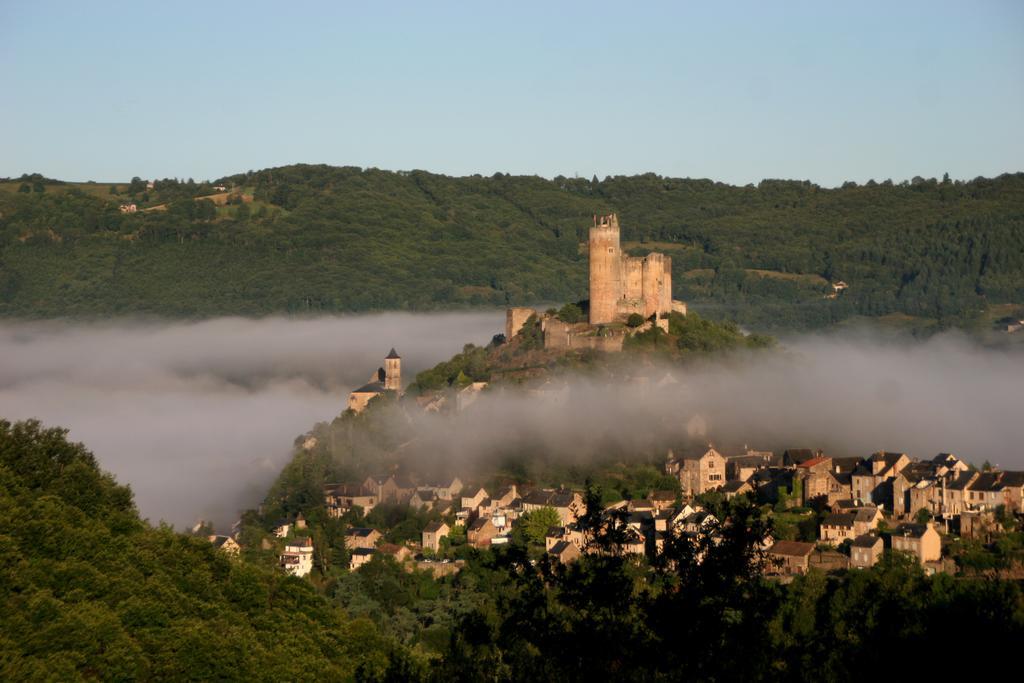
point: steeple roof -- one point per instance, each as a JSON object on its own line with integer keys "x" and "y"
{"x": 393, "y": 355}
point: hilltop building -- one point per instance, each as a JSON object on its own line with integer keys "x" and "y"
{"x": 620, "y": 286}
{"x": 387, "y": 378}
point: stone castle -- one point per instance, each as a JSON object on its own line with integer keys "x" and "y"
{"x": 620, "y": 286}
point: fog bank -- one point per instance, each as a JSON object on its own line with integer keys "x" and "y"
{"x": 850, "y": 395}
{"x": 199, "y": 417}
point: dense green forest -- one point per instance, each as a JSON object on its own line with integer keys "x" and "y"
{"x": 314, "y": 239}
{"x": 90, "y": 592}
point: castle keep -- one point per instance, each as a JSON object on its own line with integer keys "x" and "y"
{"x": 622, "y": 285}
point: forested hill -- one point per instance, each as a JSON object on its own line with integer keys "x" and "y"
{"x": 310, "y": 239}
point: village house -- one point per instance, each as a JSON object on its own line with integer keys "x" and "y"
{"x": 225, "y": 544}
{"x": 743, "y": 467}
{"x": 447, "y": 489}
{"x": 570, "y": 533}
{"x": 340, "y": 498}
{"x": 986, "y": 492}
{"x": 736, "y": 488}
{"x": 423, "y": 499}
{"x": 481, "y": 531}
{"x": 472, "y": 501}
{"x": 953, "y": 494}
{"x": 791, "y": 457}
{"x": 789, "y": 557}
{"x": 568, "y": 504}
{"x": 359, "y": 557}
{"x": 821, "y": 485}
{"x": 297, "y": 558}
{"x": 432, "y": 535}
{"x": 361, "y": 537}
{"x": 399, "y": 553}
{"x": 663, "y": 499}
{"x": 872, "y": 480}
{"x": 865, "y": 551}
{"x": 921, "y": 541}
{"x": 282, "y": 528}
{"x": 845, "y": 526}
{"x": 697, "y": 471}
{"x": 564, "y": 552}
{"x": 827, "y": 560}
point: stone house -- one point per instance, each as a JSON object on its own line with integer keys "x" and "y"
{"x": 481, "y": 531}
{"x": 569, "y": 534}
{"x": 662, "y": 499}
{"x": 423, "y": 499}
{"x": 564, "y": 552}
{"x": 789, "y": 557}
{"x": 697, "y": 471}
{"x": 361, "y": 537}
{"x": 225, "y": 544}
{"x": 921, "y": 541}
{"x": 297, "y": 558}
{"x": 743, "y": 467}
{"x": 836, "y": 528}
{"x": 821, "y": 485}
{"x": 1013, "y": 490}
{"x": 865, "y": 551}
{"x": 359, "y": 557}
{"x": 734, "y": 488}
{"x": 953, "y": 493}
{"x": 447, "y": 489}
{"x": 474, "y": 499}
{"x": 872, "y": 480}
{"x": 399, "y": 553}
{"x": 986, "y": 492}
{"x": 568, "y": 504}
{"x": 340, "y": 498}
{"x": 432, "y": 535}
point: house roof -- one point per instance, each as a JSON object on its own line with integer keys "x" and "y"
{"x": 986, "y": 481}
{"x": 479, "y": 523}
{"x": 807, "y": 464}
{"x": 362, "y": 532}
{"x": 797, "y": 455}
{"x": 560, "y": 547}
{"x": 792, "y": 548}
{"x": 663, "y": 494}
{"x": 734, "y": 486}
{"x": 218, "y": 541}
{"x": 434, "y": 527}
{"x": 364, "y": 551}
{"x": 845, "y": 465}
{"x": 393, "y": 355}
{"x": 1012, "y": 479}
{"x": 912, "y": 530}
{"x": 844, "y": 519}
{"x": 866, "y": 541}
{"x": 961, "y": 481}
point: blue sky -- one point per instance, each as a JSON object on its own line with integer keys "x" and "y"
{"x": 736, "y": 92}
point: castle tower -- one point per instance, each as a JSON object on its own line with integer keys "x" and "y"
{"x": 605, "y": 269}
{"x": 393, "y": 372}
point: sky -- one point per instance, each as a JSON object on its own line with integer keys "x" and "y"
{"x": 732, "y": 91}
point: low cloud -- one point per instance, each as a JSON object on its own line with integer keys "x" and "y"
{"x": 849, "y": 395}
{"x": 199, "y": 417}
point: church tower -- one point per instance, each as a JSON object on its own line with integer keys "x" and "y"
{"x": 393, "y": 372}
